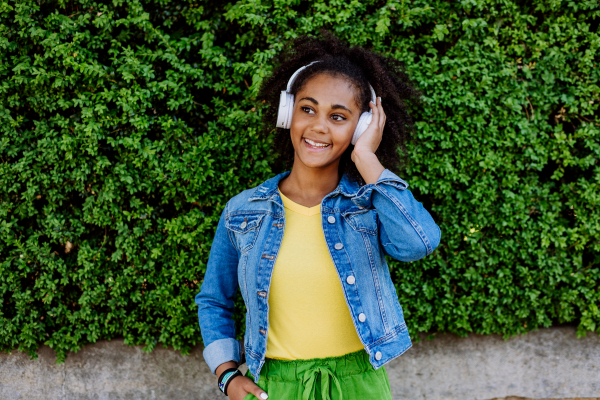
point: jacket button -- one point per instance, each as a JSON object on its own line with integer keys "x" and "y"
{"x": 331, "y": 219}
{"x": 262, "y": 294}
{"x": 378, "y": 356}
{"x": 362, "y": 317}
{"x": 350, "y": 280}
{"x": 262, "y": 331}
{"x": 338, "y": 246}
{"x": 243, "y": 225}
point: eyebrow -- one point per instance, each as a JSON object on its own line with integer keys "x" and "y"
{"x": 333, "y": 107}
{"x": 336, "y": 106}
{"x": 309, "y": 99}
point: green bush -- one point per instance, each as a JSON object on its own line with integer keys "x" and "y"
{"x": 127, "y": 125}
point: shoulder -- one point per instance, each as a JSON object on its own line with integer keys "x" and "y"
{"x": 253, "y": 199}
{"x": 241, "y": 200}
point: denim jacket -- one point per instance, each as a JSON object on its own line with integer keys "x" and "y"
{"x": 361, "y": 226}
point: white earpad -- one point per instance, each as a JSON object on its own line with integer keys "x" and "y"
{"x": 363, "y": 123}
{"x": 286, "y": 102}
{"x": 364, "y": 120}
{"x": 286, "y": 109}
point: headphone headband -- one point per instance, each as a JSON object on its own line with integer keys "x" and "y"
{"x": 295, "y": 75}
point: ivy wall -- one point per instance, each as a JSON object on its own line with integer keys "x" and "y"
{"x": 125, "y": 127}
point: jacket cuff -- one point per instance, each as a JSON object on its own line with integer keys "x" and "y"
{"x": 364, "y": 196}
{"x": 221, "y": 351}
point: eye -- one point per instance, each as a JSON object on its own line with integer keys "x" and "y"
{"x": 307, "y": 110}
{"x": 338, "y": 117}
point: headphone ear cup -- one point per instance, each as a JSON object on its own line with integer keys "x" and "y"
{"x": 290, "y": 111}
{"x": 363, "y": 123}
{"x": 285, "y": 111}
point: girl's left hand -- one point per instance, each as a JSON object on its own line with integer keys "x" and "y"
{"x": 370, "y": 140}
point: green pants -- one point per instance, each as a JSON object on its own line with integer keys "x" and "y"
{"x": 349, "y": 377}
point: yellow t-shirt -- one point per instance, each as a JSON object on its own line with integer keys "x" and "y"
{"x": 308, "y": 314}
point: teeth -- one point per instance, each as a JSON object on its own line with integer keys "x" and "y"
{"x": 315, "y": 143}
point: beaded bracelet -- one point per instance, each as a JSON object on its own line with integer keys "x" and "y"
{"x": 226, "y": 378}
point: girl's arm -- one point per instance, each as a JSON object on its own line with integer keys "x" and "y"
{"x": 215, "y": 300}
{"x": 215, "y": 309}
{"x": 407, "y": 232}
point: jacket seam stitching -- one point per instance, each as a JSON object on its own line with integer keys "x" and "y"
{"x": 402, "y": 351}
{"x": 358, "y": 228}
{"x": 229, "y": 232}
{"x": 376, "y": 281}
{"x": 390, "y": 335}
{"x": 410, "y": 219}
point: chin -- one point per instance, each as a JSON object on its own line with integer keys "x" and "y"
{"x": 314, "y": 163}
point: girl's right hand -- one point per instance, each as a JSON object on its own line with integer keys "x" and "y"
{"x": 241, "y": 386}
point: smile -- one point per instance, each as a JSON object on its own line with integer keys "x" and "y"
{"x": 316, "y": 144}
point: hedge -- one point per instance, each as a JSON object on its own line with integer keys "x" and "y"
{"x": 127, "y": 125}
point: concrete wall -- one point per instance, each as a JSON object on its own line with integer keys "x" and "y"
{"x": 550, "y": 363}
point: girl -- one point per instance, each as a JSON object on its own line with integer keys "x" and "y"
{"x": 307, "y": 248}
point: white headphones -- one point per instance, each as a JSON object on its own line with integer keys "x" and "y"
{"x": 286, "y": 108}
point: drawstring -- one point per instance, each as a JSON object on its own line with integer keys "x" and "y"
{"x": 310, "y": 378}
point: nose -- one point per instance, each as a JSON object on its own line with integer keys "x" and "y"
{"x": 319, "y": 124}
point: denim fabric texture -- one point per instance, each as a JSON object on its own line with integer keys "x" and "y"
{"x": 361, "y": 226}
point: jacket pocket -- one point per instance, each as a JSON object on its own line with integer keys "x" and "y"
{"x": 362, "y": 220}
{"x": 245, "y": 228}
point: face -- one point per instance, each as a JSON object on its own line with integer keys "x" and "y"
{"x": 325, "y": 116}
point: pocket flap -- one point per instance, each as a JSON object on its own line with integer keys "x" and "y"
{"x": 245, "y": 222}
{"x": 362, "y": 221}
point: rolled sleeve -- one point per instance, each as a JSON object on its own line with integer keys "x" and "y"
{"x": 221, "y": 351}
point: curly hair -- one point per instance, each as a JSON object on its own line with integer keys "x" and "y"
{"x": 360, "y": 67}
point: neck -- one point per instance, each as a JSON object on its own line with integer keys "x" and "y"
{"x": 307, "y": 186}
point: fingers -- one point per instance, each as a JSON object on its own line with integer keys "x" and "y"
{"x": 241, "y": 386}
{"x": 378, "y": 114}
{"x": 375, "y": 110}
{"x": 381, "y": 113}
{"x": 251, "y": 387}
{"x": 256, "y": 391}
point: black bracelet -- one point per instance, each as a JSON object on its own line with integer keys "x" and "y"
{"x": 226, "y": 378}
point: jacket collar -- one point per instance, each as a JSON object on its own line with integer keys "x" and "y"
{"x": 269, "y": 188}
